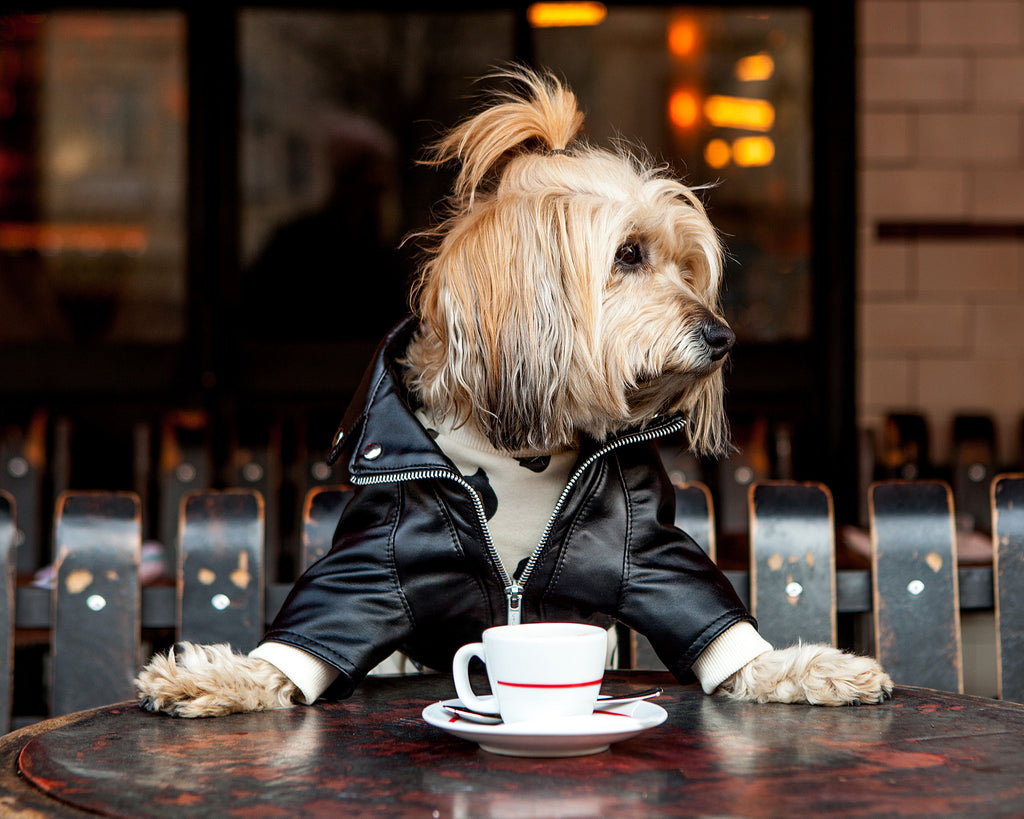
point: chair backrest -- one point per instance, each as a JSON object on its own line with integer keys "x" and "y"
{"x": 915, "y": 583}
{"x": 792, "y": 562}
{"x": 695, "y": 514}
{"x": 7, "y": 561}
{"x": 1008, "y": 572}
{"x": 186, "y": 465}
{"x": 22, "y": 474}
{"x": 221, "y": 582}
{"x": 97, "y": 601}
{"x": 973, "y": 467}
{"x": 320, "y": 515}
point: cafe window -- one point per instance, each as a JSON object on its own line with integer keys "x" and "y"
{"x": 206, "y": 207}
{"x": 723, "y": 95}
{"x": 336, "y": 106}
{"x": 92, "y": 182}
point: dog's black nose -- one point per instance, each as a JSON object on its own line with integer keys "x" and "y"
{"x": 719, "y": 337}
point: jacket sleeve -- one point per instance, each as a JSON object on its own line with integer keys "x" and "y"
{"x": 348, "y": 609}
{"x": 671, "y": 591}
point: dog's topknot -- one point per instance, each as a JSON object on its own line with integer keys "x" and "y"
{"x": 545, "y": 117}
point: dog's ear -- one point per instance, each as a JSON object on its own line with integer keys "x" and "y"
{"x": 544, "y": 116}
{"x": 499, "y": 328}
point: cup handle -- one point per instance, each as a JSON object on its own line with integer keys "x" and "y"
{"x": 460, "y": 673}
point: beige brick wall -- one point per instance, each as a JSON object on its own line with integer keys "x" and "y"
{"x": 941, "y": 138}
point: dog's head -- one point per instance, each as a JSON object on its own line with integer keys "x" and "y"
{"x": 571, "y": 289}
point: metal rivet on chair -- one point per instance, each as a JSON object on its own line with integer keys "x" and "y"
{"x": 320, "y": 471}
{"x": 17, "y": 467}
{"x": 186, "y": 473}
{"x": 743, "y": 475}
{"x": 372, "y": 452}
{"x": 252, "y": 472}
{"x": 794, "y": 589}
{"x": 220, "y": 601}
{"x": 96, "y": 602}
{"x": 915, "y": 587}
{"x": 976, "y": 473}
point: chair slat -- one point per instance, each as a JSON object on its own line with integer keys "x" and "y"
{"x": 97, "y": 604}
{"x": 792, "y": 560}
{"x": 7, "y": 561}
{"x": 915, "y": 584}
{"x": 221, "y": 577}
{"x": 1008, "y": 544}
{"x": 320, "y": 515}
{"x": 695, "y": 514}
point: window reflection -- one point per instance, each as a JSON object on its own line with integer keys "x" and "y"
{"x": 92, "y": 112}
{"x": 336, "y": 109}
{"x": 724, "y": 96}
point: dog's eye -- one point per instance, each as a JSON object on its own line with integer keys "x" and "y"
{"x": 629, "y": 254}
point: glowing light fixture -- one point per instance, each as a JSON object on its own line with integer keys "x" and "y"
{"x": 552, "y": 15}
{"x": 683, "y": 109}
{"x": 755, "y": 67}
{"x": 750, "y": 152}
{"x": 683, "y": 37}
{"x": 50, "y": 238}
{"x": 739, "y": 112}
{"x": 717, "y": 153}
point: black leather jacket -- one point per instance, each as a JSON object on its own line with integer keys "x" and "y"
{"x": 412, "y": 567}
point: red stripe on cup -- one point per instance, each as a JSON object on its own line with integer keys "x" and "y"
{"x": 549, "y": 685}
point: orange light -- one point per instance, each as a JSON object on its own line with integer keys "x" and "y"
{"x": 683, "y": 37}
{"x": 683, "y": 109}
{"x": 552, "y": 15}
{"x": 717, "y": 153}
{"x": 755, "y": 67}
{"x": 740, "y": 112}
{"x": 55, "y": 237}
{"x": 751, "y": 152}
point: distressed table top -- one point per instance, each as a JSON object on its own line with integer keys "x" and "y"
{"x": 923, "y": 753}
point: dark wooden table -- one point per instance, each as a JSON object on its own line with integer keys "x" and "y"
{"x": 924, "y": 753}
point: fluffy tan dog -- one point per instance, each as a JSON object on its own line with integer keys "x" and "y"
{"x": 567, "y": 314}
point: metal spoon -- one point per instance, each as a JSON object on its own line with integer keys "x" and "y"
{"x": 622, "y": 699}
{"x": 605, "y": 700}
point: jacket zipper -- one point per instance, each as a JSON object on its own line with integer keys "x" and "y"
{"x": 635, "y": 438}
{"x": 514, "y": 588}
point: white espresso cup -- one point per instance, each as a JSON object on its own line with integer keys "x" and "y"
{"x": 536, "y": 670}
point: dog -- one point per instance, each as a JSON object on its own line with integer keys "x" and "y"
{"x": 565, "y": 317}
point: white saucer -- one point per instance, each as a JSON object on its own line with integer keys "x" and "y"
{"x": 567, "y": 736}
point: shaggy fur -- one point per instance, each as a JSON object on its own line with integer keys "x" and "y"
{"x": 570, "y": 290}
{"x": 211, "y": 681}
{"x": 815, "y": 674}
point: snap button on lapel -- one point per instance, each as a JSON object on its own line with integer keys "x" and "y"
{"x": 372, "y": 452}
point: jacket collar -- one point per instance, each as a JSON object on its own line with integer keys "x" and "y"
{"x": 379, "y": 433}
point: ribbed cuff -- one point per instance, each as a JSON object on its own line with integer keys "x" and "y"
{"x": 727, "y": 654}
{"x": 310, "y": 674}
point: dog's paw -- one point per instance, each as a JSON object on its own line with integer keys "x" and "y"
{"x": 815, "y": 674}
{"x": 210, "y": 681}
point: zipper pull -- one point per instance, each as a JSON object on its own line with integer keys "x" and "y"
{"x": 514, "y": 592}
